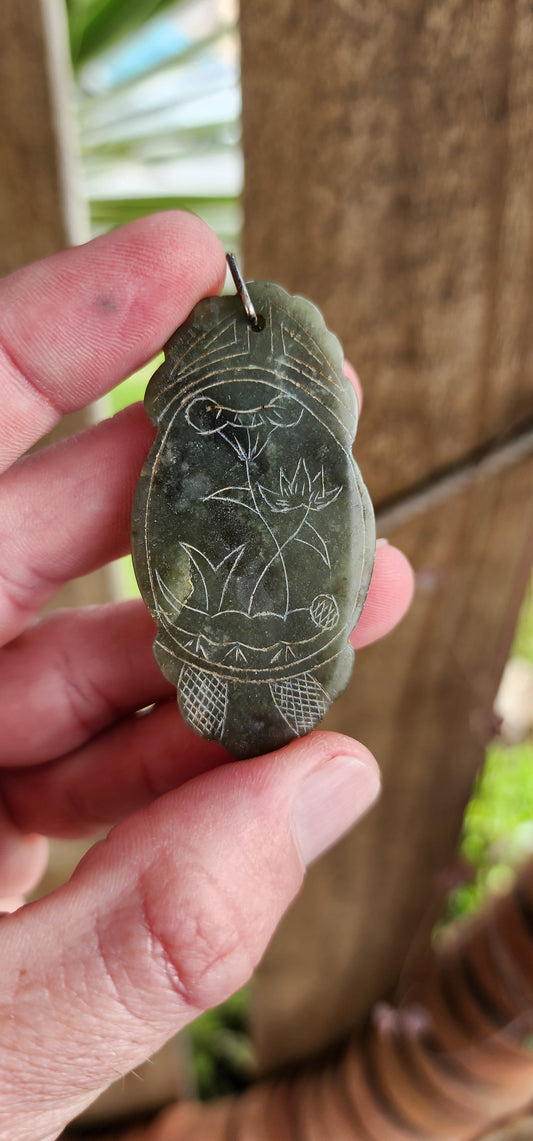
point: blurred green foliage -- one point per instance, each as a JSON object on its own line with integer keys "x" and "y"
{"x": 498, "y": 823}
{"x": 222, "y": 1050}
{"x": 94, "y": 25}
{"x": 523, "y": 643}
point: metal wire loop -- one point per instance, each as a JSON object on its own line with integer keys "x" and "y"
{"x": 251, "y": 316}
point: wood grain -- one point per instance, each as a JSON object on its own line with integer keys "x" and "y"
{"x": 389, "y": 176}
{"x": 422, "y": 701}
{"x": 388, "y": 152}
{"x": 40, "y": 210}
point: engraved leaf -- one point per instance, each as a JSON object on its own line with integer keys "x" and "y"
{"x": 214, "y": 578}
{"x": 311, "y": 538}
{"x": 240, "y": 495}
{"x": 320, "y": 496}
{"x": 318, "y": 502}
{"x": 301, "y": 481}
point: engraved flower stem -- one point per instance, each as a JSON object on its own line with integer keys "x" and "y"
{"x": 278, "y": 548}
{"x": 279, "y": 554}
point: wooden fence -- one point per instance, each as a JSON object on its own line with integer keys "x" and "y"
{"x": 389, "y": 176}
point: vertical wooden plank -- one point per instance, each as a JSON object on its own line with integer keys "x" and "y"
{"x": 422, "y": 701}
{"x": 388, "y": 175}
{"x": 41, "y": 208}
{"x": 388, "y": 171}
{"x": 41, "y": 205}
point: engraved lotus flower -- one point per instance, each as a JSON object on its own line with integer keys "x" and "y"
{"x": 300, "y": 491}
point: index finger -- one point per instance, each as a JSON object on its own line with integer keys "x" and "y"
{"x": 75, "y": 324}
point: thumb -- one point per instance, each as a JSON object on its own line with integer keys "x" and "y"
{"x": 167, "y": 916}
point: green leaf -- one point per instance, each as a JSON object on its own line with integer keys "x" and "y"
{"x": 184, "y": 56}
{"x": 97, "y": 24}
{"x": 221, "y": 214}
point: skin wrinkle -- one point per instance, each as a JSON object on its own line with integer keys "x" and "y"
{"x": 28, "y": 382}
{"x": 88, "y": 705}
{"x": 216, "y": 942}
{"x": 153, "y": 787}
{"x": 105, "y": 961}
{"x": 11, "y": 589}
{"x": 40, "y": 1067}
{"x": 156, "y": 942}
{"x": 23, "y": 598}
{"x": 83, "y": 977}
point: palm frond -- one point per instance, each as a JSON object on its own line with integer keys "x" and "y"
{"x": 159, "y": 109}
{"x": 95, "y": 25}
{"x": 223, "y": 215}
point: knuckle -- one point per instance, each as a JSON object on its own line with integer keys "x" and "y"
{"x": 88, "y": 708}
{"x": 197, "y": 932}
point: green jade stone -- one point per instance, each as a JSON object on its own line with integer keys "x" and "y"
{"x": 253, "y": 533}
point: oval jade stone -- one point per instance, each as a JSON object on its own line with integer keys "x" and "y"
{"x": 253, "y": 534}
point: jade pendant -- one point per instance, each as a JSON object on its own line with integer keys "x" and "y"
{"x": 253, "y": 534}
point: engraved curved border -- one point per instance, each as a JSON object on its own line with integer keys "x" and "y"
{"x": 255, "y": 673}
{"x": 293, "y": 316}
{"x": 209, "y": 381}
{"x": 272, "y": 677}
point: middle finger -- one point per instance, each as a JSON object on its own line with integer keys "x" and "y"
{"x": 64, "y": 511}
{"x": 76, "y": 673}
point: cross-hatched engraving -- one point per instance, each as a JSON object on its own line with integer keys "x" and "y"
{"x": 301, "y": 701}
{"x": 203, "y": 700}
{"x": 324, "y": 611}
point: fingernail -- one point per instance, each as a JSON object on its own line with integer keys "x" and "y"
{"x": 382, "y": 542}
{"x": 329, "y": 802}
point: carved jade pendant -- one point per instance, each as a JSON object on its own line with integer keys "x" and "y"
{"x": 253, "y": 533}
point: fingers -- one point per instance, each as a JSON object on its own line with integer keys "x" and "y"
{"x": 81, "y": 675}
{"x": 352, "y": 375}
{"x": 75, "y": 324}
{"x": 65, "y": 511}
{"x": 167, "y": 917}
{"x": 111, "y": 776}
{"x": 392, "y": 585}
{"x": 74, "y": 674}
{"x": 389, "y": 596}
{"x": 23, "y": 859}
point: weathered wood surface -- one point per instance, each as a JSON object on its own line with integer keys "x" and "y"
{"x": 41, "y": 208}
{"x": 40, "y": 211}
{"x": 422, "y": 701}
{"x": 388, "y": 162}
{"x": 389, "y": 176}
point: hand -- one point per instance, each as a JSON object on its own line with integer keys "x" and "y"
{"x": 172, "y": 911}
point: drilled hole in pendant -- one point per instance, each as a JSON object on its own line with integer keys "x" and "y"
{"x": 259, "y": 323}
